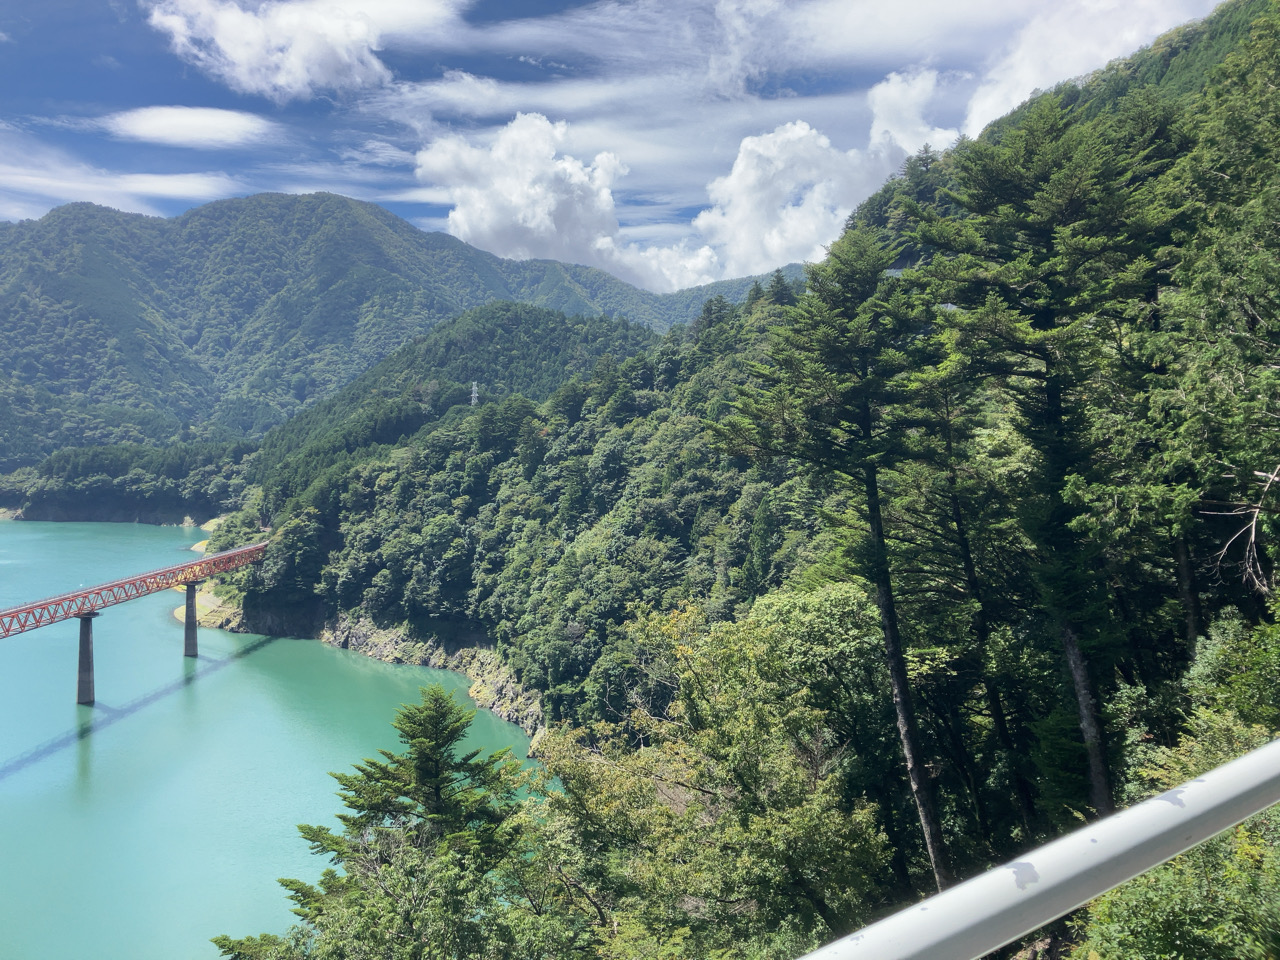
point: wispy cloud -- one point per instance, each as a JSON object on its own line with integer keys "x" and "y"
{"x": 195, "y": 127}
{"x": 35, "y": 177}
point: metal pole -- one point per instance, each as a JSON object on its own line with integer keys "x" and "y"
{"x": 1001, "y": 905}
{"x": 189, "y": 622}
{"x": 84, "y": 677}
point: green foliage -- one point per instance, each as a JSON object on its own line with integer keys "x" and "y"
{"x": 725, "y": 833}
{"x": 1237, "y": 670}
{"x": 429, "y": 829}
{"x": 432, "y": 790}
{"x": 236, "y": 315}
{"x": 1217, "y": 901}
{"x": 138, "y": 483}
{"x": 506, "y": 348}
{"x": 522, "y": 348}
{"x": 541, "y": 524}
{"x": 994, "y": 497}
{"x": 727, "y": 830}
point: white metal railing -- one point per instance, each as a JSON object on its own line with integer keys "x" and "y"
{"x": 1003, "y": 904}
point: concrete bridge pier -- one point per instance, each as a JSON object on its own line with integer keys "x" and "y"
{"x": 189, "y": 624}
{"x": 84, "y": 679}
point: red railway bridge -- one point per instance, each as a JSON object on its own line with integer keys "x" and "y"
{"x": 85, "y": 604}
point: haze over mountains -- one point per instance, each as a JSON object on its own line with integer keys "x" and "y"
{"x": 230, "y": 318}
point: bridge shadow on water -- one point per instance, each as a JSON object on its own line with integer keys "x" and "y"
{"x": 104, "y": 716}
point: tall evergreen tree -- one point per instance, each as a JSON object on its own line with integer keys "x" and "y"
{"x": 1056, "y": 244}
{"x": 833, "y": 400}
{"x": 1221, "y": 348}
{"x": 962, "y": 560}
{"x": 779, "y": 291}
{"x": 427, "y": 832}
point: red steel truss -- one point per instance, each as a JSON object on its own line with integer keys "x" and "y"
{"x": 43, "y": 612}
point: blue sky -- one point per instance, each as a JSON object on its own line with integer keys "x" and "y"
{"x": 671, "y": 142}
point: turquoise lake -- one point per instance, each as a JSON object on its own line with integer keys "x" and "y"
{"x": 138, "y": 828}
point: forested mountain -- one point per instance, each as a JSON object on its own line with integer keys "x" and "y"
{"x": 503, "y": 348}
{"x": 836, "y": 595}
{"x": 230, "y": 318}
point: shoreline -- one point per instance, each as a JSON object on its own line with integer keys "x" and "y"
{"x": 493, "y": 686}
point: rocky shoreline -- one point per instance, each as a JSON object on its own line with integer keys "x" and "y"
{"x": 493, "y": 686}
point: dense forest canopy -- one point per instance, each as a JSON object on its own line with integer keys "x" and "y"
{"x": 841, "y": 592}
{"x": 229, "y": 319}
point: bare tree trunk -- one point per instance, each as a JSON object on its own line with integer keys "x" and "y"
{"x": 1187, "y": 591}
{"x": 1055, "y": 537}
{"x": 1099, "y": 783}
{"x": 922, "y": 787}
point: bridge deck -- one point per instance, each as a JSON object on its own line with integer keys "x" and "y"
{"x": 76, "y": 604}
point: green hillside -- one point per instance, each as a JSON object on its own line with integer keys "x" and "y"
{"x": 234, "y": 316}
{"x": 505, "y": 348}
{"x": 829, "y": 598}
{"x": 846, "y": 600}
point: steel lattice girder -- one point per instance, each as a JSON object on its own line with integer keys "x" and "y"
{"x": 68, "y": 605}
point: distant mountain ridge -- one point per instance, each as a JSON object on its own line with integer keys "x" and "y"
{"x": 231, "y": 317}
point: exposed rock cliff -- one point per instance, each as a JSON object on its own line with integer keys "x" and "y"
{"x": 493, "y": 686}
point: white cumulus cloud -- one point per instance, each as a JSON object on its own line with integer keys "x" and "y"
{"x": 789, "y": 191}
{"x": 1065, "y": 39}
{"x": 898, "y": 103}
{"x": 290, "y": 49}
{"x": 519, "y": 197}
{"x": 197, "y": 127}
{"x": 785, "y": 198}
{"x": 518, "y": 194}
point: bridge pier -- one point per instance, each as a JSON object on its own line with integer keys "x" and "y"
{"x": 189, "y": 622}
{"x": 84, "y": 679}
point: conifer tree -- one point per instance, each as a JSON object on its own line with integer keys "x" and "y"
{"x": 779, "y": 291}
{"x": 1057, "y": 243}
{"x": 834, "y": 401}
{"x": 1220, "y": 347}
{"x": 427, "y": 830}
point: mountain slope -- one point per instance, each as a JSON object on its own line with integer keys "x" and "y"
{"x": 510, "y": 348}
{"x": 235, "y": 315}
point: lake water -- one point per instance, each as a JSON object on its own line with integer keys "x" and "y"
{"x": 138, "y": 828}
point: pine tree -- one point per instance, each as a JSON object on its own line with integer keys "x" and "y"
{"x": 428, "y": 831}
{"x": 779, "y": 290}
{"x": 1057, "y": 244}
{"x": 834, "y": 401}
